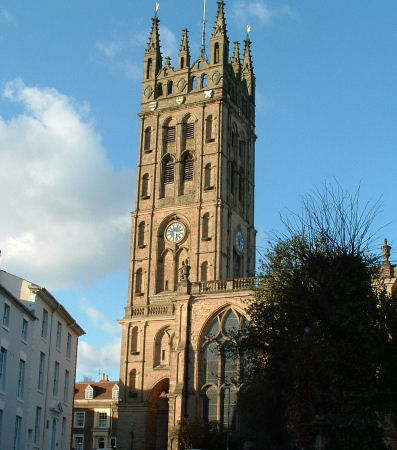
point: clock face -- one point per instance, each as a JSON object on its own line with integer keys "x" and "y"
{"x": 239, "y": 241}
{"x": 175, "y": 232}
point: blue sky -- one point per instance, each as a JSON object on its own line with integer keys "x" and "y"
{"x": 69, "y": 97}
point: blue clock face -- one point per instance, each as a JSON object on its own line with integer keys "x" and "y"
{"x": 239, "y": 241}
{"x": 175, "y": 232}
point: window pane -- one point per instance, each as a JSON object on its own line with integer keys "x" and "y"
{"x": 3, "y": 368}
{"x": 210, "y": 404}
{"x": 229, "y": 372}
{"x": 6, "y": 315}
{"x": 229, "y": 400}
{"x": 211, "y": 363}
{"x": 214, "y": 329}
{"x": 230, "y": 323}
{"x": 24, "y": 334}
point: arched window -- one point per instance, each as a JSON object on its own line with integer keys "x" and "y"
{"x": 148, "y": 68}
{"x": 221, "y": 370}
{"x": 193, "y": 84}
{"x": 147, "y": 139}
{"x": 182, "y": 63}
{"x": 234, "y": 139}
{"x": 240, "y": 186}
{"x": 187, "y": 168}
{"x": 170, "y": 87}
{"x": 168, "y": 169}
{"x": 204, "y": 80}
{"x": 134, "y": 340}
{"x": 199, "y": 65}
{"x": 204, "y": 271}
{"x": 208, "y": 129}
{"x": 189, "y": 130}
{"x": 205, "y": 232}
{"x": 233, "y": 181}
{"x": 89, "y": 393}
{"x": 216, "y": 53}
{"x": 132, "y": 381}
{"x": 138, "y": 281}
{"x": 145, "y": 186}
{"x": 141, "y": 234}
{"x": 241, "y": 148}
{"x": 162, "y": 347}
{"x": 207, "y": 176}
{"x": 159, "y": 89}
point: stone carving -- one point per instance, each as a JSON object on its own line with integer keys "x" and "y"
{"x": 216, "y": 77}
{"x": 386, "y": 251}
{"x": 184, "y": 271}
{"x": 152, "y": 106}
{"x": 181, "y": 84}
{"x": 148, "y": 92}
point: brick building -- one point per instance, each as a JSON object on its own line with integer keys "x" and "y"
{"x": 95, "y": 415}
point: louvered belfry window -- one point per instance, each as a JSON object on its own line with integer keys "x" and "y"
{"x": 189, "y": 131}
{"x": 188, "y": 168}
{"x": 170, "y": 136}
{"x": 168, "y": 171}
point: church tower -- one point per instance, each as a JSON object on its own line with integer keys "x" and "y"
{"x": 193, "y": 239}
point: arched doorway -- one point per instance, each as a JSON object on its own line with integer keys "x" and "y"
{"x": 157, "y": 416}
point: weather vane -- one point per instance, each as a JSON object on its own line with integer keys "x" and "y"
{"x": 248, "y": 31}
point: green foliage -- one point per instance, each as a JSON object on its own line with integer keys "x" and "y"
{"x": 196, "y": 433}
{"x": 322, "y": 340}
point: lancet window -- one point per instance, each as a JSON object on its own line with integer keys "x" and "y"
{"x": 222, "y": 370}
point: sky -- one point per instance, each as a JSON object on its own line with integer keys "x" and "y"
{"x": 70, "y": 74}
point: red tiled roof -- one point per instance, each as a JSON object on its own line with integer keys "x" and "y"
{"x": 102, "y": 390}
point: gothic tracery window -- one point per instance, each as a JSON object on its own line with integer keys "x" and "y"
{"x": 221, "y": 370}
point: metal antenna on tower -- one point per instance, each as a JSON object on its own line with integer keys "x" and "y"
{"x": 203, "y": 33}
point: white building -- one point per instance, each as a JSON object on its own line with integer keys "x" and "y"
{"x": 38, "y": 352}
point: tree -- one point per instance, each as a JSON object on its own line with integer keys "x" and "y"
{"x": 322, "y": 332}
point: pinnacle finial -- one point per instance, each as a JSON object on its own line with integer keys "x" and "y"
{"x": 247, "y": 58}
{"x": 154, "y": 39}
{"x": 236, "y": 52}
{"x": 185, "y": 41}
{"x": 220, "y": 22}
{"x": 236, "y": 63}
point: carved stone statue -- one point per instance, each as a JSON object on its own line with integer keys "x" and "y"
{"x": 184, "y": 271}
{"x": 386, "y": 251}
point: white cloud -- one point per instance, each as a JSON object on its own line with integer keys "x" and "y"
{"x": 98, "y": 319}
{"x": 118, "y": 55}
{"x": 121, "y": 54}
{"x": 109, "y": 49}
{"x": 169, "y": 45}
{"x": 262, "y": 102}
{"x": 244, "y": 12}
{"x": 7, "y": 17}
{"x": 92, "y": 360}
{"x": 64, "y": 217}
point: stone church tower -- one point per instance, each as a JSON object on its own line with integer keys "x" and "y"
{"x": 193, "y": 240}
